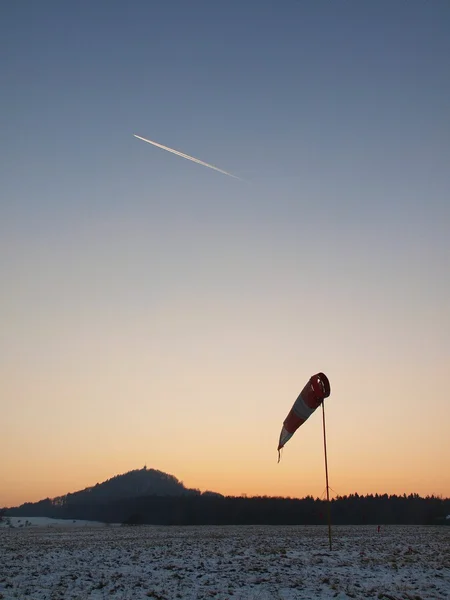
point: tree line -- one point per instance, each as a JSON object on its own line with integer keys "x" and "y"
{"x": 196, "y": 508}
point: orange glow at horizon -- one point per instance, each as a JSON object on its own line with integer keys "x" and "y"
{"x": 221, "y": 454}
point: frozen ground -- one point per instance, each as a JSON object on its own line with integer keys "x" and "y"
{"x": 241, "y": 563}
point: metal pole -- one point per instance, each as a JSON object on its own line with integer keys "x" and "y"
{"x": 326, "y": 472}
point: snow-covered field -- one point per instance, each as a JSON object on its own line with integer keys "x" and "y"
{"x": 46, "y": 522}
{"x": 242, "y": 563}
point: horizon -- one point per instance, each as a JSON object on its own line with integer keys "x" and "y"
{"x": 154, "y": 311}
{"x": 333, "y": 495}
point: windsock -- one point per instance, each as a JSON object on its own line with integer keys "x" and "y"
{"x": 310, "y": 398}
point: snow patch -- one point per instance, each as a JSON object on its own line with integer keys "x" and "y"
{"x": 21, "y": 522}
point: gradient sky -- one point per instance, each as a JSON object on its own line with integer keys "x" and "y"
{"x": 155, "y": 312}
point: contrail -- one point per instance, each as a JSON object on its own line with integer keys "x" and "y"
{"x": 196, "y": 160}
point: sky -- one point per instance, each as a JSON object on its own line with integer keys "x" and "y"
{"x": 156, "y": 312}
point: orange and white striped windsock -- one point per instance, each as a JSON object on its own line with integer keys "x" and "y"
{"x": 310, "y": 398}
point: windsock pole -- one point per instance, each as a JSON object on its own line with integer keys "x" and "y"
{"x": 326, "y": 472}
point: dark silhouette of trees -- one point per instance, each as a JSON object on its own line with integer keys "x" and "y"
{"x": 147, "y": 496}
{"x": 202, "y": 509}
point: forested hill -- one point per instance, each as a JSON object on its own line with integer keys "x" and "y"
{"x": 134, "y": 484}
{"x": 140, "y": 482}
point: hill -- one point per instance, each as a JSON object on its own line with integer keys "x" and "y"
{"x": 131, "y": 485}
{"x": 140, "y": 482}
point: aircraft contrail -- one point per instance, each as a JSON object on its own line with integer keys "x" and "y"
{"x": 196, "y": 160}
